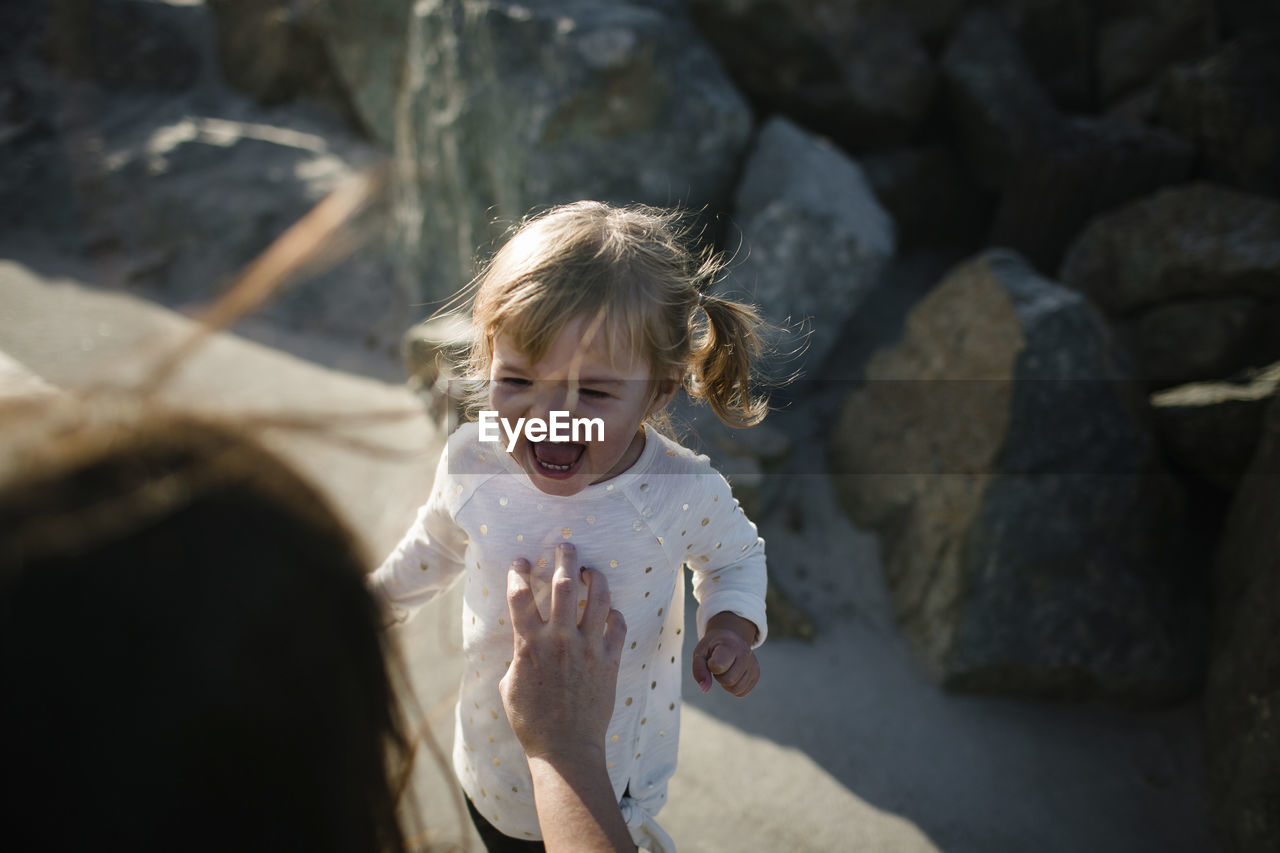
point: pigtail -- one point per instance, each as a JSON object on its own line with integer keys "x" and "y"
{"x": 720, "y": 363}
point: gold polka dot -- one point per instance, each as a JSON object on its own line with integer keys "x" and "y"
{"x": 704, "y": 558}
{"x": 646, "y": 593}
{"x": 671, "y": 707}
{"x": 516, "y": 790}
{"x": 685, "y": 507}
{"x": 424, "y": 567}
{"x": 662, "y": 734}
{"x": 484, "y": 590}
{"x": 480, "y": 456}
{"x": 628, "y": 702}
{"x": 615, "y": 740}
{"x": 683, "y": 532}
{"x": 613, "y": 564}
{"x": 566, "y": 532}
{"x": 673, "y": 658}
{"x": 671, "y": 453}
{"x": 717, "y": 545}
{"x": 458, "y": 490}
{"x": 582, "y": 605}
{"x": 542, "y": 562}
{"x": 633, "y": 644}
{"x": 653, "y": 685}
{"x": 649, "y": 569}
{"x": 609, "y": 488}
{"x": 705, "y": 522}
{"x": 477, "y": 564}
{"x": 637, "y": 755}
{"x": 506, "y": 664}
{"x": 648, "y": 512}
{"x": 660, "y": 609}
{"x": 519, "y": 537}
{"x": 477, "y": 673}
{"x": 473, "y": 620}
{"x": 644, "y": 666}
{"x": 610, "y": 763}
{"x": 689, "y": 547}
{"x": 483, "y": 792}
{"x": 540, "y": 506}
{"x": 637, "y": 525}
{"x": 745, "y": 547}
{"x": 659, "y": 540}
{"x": 503, "y": 501}
{"x": 644, "y": 487}
{"x": 678, "y": 630}
{"x": 644, "y": 720}
{"x": 716, "y": 498}
{"x": 591, "y": 519}
{"x": 490, "y": 738}
{"x": 484, "y": 530}
{"x": 501, "y": 621}
{"x": 496, "y": 762}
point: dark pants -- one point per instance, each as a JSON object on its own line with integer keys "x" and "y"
{"x": 497, "y": 842}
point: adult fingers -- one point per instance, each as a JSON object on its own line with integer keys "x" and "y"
{"x": 597, "y": 609}
{"x": 520, "y": 600}
{"x": 615, "y": 633}
{"x": 564, "y": 587}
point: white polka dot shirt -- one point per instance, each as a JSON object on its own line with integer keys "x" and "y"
{"x": 670, "y": 509}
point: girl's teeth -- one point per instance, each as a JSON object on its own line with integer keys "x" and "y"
{"x": 551, "y": 467}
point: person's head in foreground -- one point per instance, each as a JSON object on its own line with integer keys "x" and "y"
{"x": 604, "y": 312}
{"x": 190, "y": 658}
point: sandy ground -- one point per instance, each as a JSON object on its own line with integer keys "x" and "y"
{"x": 844, "y": 746}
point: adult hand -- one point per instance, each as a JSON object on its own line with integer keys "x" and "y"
{"x": 559, "y": 691}
{"x": 558, "y": 695}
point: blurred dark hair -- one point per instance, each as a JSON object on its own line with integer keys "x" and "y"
{"x": 190, "y": 657}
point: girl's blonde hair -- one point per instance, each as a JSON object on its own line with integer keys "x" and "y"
{"x": 631, "y": 272}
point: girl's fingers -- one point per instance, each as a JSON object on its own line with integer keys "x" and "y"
{"x": 597, "y": 609}
{"x": 564, "y": 587}
{"x": 520, "y": 600}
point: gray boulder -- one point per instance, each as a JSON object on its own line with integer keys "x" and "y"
{"x": 501, "y": 108}
{"x": 1138, "y": 39}
{"x": 1242, "y": 697}
{"x": 994, "y": 99}
{"x": 1028, "y": 527}
{"x": 1227, "y": 104}
{"x": 1213, "y": 428}
{"x": 858, "y": 74}
{"x": 183, "y": 202}
{"x": 275, "y": 49}
{"x": 815, "y": 239}
{"x": 1192, "y": 277}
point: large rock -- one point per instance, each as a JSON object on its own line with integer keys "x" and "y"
{"x": 502, "y": 108}
{"x": 1075, "y": 171}
{"x": 184, "y": 202}
{"x": 1192, "y": 276}
{"x": 1029, "y": 529}
{"x": 860, "y": 75}
{"x": 275, "y": 49}
{"x": 1213, "y": 428}
{"x": 123, "y": 44}
{"x": 1242, "y": 698}
{"x": 815, "y": 240}
{"x": 993, "y": 97}
{"x": 1140, "y": 38}
{"x": 1227, "y": 104}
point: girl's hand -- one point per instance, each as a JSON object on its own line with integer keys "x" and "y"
{"x": 724, "y": 653}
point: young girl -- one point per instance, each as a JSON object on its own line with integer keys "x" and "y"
{"x": 602, "y": 313}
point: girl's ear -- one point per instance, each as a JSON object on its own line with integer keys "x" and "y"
{"x": 664, "y": 391}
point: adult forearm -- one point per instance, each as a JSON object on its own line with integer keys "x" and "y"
{"x": 576, "y": 807}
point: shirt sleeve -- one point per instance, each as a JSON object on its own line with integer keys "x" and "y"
{"x": 428, "y": 559}
{"x": 726, "y": 556}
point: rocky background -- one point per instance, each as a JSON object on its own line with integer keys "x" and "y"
{"x": 1027, "y": 253}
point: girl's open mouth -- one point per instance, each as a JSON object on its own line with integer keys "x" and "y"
{"x": 556, "y": 460}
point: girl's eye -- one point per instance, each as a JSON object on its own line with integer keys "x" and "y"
{"x": 594, "y": 393}
{"x": 514, "y": 382}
